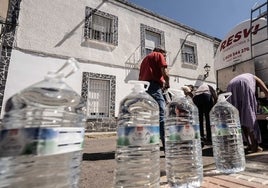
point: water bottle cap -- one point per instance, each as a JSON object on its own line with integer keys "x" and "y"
{"x": 224, "y": 96}
{"x": 139, "y": 85}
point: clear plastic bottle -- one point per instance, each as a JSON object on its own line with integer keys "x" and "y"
{"x": 137, "y": 152}
{"x": 42, "y": 135}
{"x": 228, "y": 148}
{"x": 184, "y": 165}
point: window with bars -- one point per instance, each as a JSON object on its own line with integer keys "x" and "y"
{"x": 100, "y": 26}
{"x": 98, "y": 98}
{"x": 99, "y": 92}
{"x": 189, "y": 54}
{"x": 152, "y": 40}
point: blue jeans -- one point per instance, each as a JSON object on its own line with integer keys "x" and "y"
{"x": 156, "y": 92}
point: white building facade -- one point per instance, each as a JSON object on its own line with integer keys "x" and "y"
{"x": 109, "y": 39}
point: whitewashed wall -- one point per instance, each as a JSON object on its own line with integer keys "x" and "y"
{"x": 51, "y": 31}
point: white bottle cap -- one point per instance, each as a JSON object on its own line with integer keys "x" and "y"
{"x": 139, "y": 85}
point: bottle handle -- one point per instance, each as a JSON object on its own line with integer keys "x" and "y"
{"x": 224, "y": 96}
{"x": 71, "y": 62}
{"x": 145, "y": 83}
{"x": 227, "y": 95}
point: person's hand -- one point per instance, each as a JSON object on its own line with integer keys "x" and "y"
{"x": 166, "y": 86}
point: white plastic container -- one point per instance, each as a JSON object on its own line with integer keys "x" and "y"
{"x": 42, "y": 135}
{"x": 228, "y": 148}
{"x": 184, "y": 165}
{"x": 137, "y": 153}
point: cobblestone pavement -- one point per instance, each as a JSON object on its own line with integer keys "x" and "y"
{"x": 254, "y": 176}
{"x": 98, "y": 167}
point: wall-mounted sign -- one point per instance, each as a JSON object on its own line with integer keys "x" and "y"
{"x": 236, "y": 46}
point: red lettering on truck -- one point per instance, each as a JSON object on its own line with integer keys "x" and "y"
{"x": 236, "y": 37}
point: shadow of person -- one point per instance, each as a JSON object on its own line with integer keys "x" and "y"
{"x": 98, "y": 156}
{"x": 207, "y": 152}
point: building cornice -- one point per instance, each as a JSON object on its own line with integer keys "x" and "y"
{"x": 174, "y": 22}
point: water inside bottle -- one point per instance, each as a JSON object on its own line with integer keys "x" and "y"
{"x": 184, "y": 164}
{"x": 137, "y": 153}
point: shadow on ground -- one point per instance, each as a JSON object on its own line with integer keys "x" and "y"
{"x": 208, "y": 152}
{"x": 98, "y": 156}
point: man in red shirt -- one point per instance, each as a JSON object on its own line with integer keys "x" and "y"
{"x": 154, "y": 70}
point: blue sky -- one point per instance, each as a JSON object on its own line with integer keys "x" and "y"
{"x": 213, "y": 17}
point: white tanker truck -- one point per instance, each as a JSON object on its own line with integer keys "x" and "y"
{"x": 245, "y": 49}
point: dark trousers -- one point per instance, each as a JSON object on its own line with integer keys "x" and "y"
{"x": 204, "y": 104}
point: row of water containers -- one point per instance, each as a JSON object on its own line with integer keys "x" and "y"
{"x": 137, "y": 153}
{"x": 42, "y": 135}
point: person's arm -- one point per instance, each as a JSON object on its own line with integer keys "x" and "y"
{"x": 163, "y": 65}
{"x": 187, "y": 91}
{"x": 166, "y": 77}
{"x": 262, "y": 85}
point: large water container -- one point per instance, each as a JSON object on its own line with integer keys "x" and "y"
{"x": 42, "y": 135}
{"x": 184, "y": 165}
{"x": 137, "y": 153}
{"x": 228, "y": 148}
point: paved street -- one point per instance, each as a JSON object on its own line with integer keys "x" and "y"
{"x": 98, "y": 167}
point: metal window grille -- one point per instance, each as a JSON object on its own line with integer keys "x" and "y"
{"x": 101, "y": 29}
{"x": 152, "y": 40}
{"x": 188, "y": 54}
{"x": 100, "y": 26}
{"x": 148, "y": 51}
{"x": 98, "y": 98}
